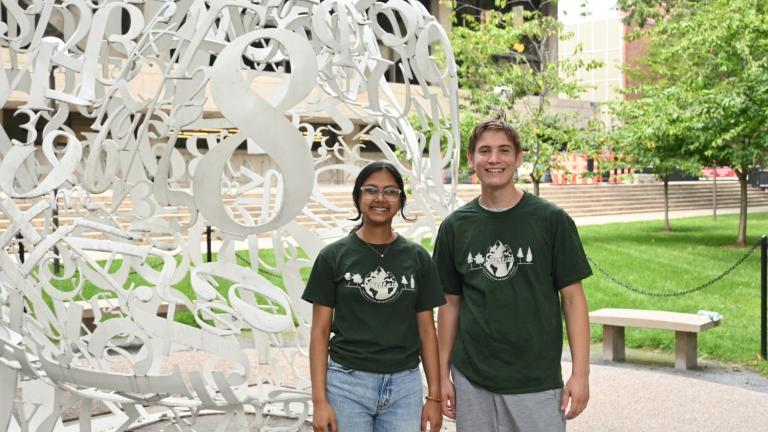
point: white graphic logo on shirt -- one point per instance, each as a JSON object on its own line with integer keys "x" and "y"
{"x": 499, "y": 261}
{"x": 380, "y": 286}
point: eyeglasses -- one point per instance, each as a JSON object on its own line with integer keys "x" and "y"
{"x": 389, "y": 193}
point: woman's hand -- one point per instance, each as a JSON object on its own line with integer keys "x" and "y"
{"x": 324, "y": 419}
{"x": 431, "y": 414}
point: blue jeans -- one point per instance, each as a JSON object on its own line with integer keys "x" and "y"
{"x": 375, "y": 402}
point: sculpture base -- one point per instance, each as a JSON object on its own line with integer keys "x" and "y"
{"x": 214, "y": 421}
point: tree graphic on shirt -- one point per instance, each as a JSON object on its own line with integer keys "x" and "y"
{"x": 499, "y": 259}
{"x": 380, "y": 284}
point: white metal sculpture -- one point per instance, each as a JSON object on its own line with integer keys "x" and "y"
{"x": 93, "y": 57}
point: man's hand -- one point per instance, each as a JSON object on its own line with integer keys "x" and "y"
{"x": 323, "y": 418}
{"x": 577, "y": 390}
{"x": 577, "y": 325}
{"x": 449, "y": 398}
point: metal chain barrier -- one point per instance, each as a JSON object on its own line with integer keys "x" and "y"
{"x": 700, "y": 287}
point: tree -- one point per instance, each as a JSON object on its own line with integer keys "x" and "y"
{"x": 649, "y": 141}
{"x": 705, "y": 77}
{"x": 509, "y": 69}
{"x": 642, "y": 12}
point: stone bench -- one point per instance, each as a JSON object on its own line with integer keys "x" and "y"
{"x": 686, "y": 327}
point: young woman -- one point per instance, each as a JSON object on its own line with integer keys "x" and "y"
{"x": 375, "y": 290}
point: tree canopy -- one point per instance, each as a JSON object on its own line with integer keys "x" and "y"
{"x": 703, "y": 93}
{"x": 643, "y": 12}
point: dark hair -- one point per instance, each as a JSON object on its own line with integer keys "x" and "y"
{"x": 495, "y": 125}
{"x": 368, "y": 171}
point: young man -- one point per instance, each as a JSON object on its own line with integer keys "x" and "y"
{"x": 508, "y": 262}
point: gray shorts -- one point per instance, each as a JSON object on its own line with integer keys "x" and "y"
{"x": 478, "y": 410}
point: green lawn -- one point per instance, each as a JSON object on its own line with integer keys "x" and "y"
{"x": 697, "y": 250}
{"x": 184, "y": 286}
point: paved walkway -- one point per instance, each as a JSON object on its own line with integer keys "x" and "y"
{"x": 642, "y": 396}
{"x": 659, "y": 216}
{"x": 639, "y": 399}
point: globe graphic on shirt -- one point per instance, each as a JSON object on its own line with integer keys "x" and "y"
{"x": 499, "y": 260}
{"x": 380, "y": 286}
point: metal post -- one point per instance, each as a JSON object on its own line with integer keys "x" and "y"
{"x": 21, "y": 247}
{"x": 714, "y": 193}
{"x": 763, "y": 295}
{"x": 208, "y": 243}
{"x": 55, "y": 216}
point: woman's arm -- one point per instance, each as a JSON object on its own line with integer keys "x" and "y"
{"x": 323, "y": 417}
{"x": 430, "y": 359}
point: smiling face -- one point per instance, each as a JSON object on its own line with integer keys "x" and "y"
{"x": 495, "y": 160}
{"x": 381, "y": 207}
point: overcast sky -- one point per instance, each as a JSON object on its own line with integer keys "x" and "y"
{"x": 570, "y": 11}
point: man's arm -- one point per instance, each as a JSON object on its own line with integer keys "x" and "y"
{"x": 577, "y": 326}
{"x": 447, "y": 328}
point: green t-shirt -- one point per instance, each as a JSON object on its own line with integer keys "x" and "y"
{"x": 508, "y": 267}
{"x": 375, "y": 301}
